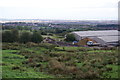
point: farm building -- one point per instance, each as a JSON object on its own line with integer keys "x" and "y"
{"x": 48, "y": 39}
{"x": 105, "y": 37}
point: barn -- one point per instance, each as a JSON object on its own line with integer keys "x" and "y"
{"x": 103, "y": 37}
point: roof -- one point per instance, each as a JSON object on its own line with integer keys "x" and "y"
{"x": 109, "y": 38}
{"x": 99, "y": 36}
{"x": 98, "y": 40}
{"x": 97, "y": 33}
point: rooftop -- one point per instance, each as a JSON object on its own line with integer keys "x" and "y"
{"x": 97, "y": 33}
{"x": 100, "y": 36}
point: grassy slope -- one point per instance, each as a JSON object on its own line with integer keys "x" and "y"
{"x": 113, "y": 73}
{"x": 10, "y": 60}
{"x": 13, "y": 60}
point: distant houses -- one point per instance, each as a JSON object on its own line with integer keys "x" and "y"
{"x": 103, "y": 38}
{"x": 35, "y": 28}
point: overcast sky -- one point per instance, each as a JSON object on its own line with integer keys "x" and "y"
{"x": 59, "y": 9}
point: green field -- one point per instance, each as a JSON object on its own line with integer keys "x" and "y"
{"x": 49, "y": 61}
{"x": 11, "y": 61}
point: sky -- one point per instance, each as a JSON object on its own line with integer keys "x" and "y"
{"x": 59, "y": 9}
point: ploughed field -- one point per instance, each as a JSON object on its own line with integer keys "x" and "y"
{"x": 45, "y": 60}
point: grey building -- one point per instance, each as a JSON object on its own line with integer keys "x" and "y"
{"x": 104, "y": 37}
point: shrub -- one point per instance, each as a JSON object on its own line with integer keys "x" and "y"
{"x": 32, "y": 64}
{"x": 36, "y": 37}
{"x": 7, "y": 36}
{"x": 70, "y": 37}
{"x": 71, "y": 69}
{"x": 25, "y": 62}
{"x": 31, "y": 44}
{"x": 48, "y": 46}
{"x": 15, "y": 67}
{"x": 11, "y": 46}
{"x": 15, "y": 35}
{"x": 25, "y": 37}
{"x": 109, "y": 69}
{"x": 55, "y": 66}
{"x": 10, "y": 36}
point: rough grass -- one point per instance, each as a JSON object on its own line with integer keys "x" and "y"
{"x": 73, "y": 62}
{"x": 113, "y": 73}
{"x": 13, "y": 60}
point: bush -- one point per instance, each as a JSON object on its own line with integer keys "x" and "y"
{"x": 55, "y": 65}
{"x": 10, "y": 36}
{"x": 31, "y": 44}
{"x": 70, "y": 37}
{"x": 15, "y": 67}
{"x": 43, "y": 33}
{"x": 15, "y": 35}
{"x": 25, "y": 37}
{"x": 71, "y": 69}
{"x": 47, "y": 45}
{"x": 7, "y": 36}
{"x": 36, "y": 37}
{"x": 11, "y": 46}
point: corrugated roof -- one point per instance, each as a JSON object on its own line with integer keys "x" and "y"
{"x": 97, "y": 33}
{"x": 106, "y": 35}
{"x": 109, "y": 38}
{"x": 101, "y": 41}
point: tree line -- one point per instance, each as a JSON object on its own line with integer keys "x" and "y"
{"x": 23, "y": 37}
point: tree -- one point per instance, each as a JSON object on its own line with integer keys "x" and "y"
{"x": 70, "y": 37}
{"x": 36, "y": 37}
{"x": 19, "y": 27}
{"x": 58, "y": 30}
{"x": 43, "y": 33}
{"x": 25, "y": 37}
{"x": 7, "y": 36}
{"x": 15, "y": 35}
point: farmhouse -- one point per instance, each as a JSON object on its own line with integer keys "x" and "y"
{"x": 48, "y": 39}
{"x": 104, "y": 37}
